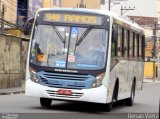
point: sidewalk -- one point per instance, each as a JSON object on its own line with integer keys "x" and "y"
{"x": 16, "y": 90}
{"x": 145, "y": 80}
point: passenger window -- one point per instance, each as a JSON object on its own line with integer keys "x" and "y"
{"x": 137, "y": 45}
{"x": 143, "y": 47}
{"x": 140, "y": 46}
{"x": 133, "y": 50}
{"x": 125, "y": 43}
{"x": 131, "y": 45}
{"x": 114, "y": 45}
{"x": 119, "y": 42}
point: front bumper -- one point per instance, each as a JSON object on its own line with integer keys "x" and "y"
{"x": 96, "y": 95}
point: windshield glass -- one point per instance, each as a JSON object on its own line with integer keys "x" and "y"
{"x": 69, "y": 47}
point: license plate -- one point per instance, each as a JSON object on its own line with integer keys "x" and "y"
{"x": 64, "y": 92}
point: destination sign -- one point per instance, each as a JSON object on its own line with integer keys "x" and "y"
{"x": 72, "y": 18}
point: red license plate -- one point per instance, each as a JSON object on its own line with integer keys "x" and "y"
{"x": 64, "y": 92}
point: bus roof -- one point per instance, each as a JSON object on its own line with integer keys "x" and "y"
{"x": 97, "y": 11}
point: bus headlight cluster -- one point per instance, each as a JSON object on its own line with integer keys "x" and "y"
{"x": 33, "y": 77}
{"x": 98, "y": 81}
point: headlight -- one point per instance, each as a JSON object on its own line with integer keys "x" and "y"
{"x": 98, "y": 81}
{"x": 33, "y": 77}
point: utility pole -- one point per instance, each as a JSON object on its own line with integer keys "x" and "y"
{"x": 2, "y": 18}
{"x": 109, "y": 5}
{"x": 158, "y": 50}
{"x": 158, "y": 57}
{"x": 1, "y": 13}
{"x": 155, "y": 37}
{"x": 154, "y": 50}
{"x": 126, "y": 9}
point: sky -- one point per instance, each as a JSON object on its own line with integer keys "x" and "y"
{"x": 142, "y": 7}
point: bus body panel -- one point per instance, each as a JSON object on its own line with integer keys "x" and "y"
{"x": 96, "y": 95}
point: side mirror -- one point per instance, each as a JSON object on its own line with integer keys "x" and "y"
{"x": 28, "y": 26}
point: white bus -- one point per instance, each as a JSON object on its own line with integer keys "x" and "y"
{"x": 84, "y": 55}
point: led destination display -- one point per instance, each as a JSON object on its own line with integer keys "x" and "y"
{"x": 73, "y": 18}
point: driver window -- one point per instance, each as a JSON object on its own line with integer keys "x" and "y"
{"x": 114, "y": 45}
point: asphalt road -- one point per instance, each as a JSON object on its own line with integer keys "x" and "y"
{"x": 146, "y": 101}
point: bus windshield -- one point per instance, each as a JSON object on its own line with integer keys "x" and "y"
{"x": 69, "y": 47}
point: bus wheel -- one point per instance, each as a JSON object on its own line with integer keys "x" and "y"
{"x": 45, "y": 102}
{"x": 114, "y": 98}
{"x": 109, "y": 106}
{"x": 129, "y": 101}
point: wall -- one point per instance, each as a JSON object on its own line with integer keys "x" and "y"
{"x": 148, "y": 70}
{"x": 51, "y": 3}
{"x": 158, "y": 9}
{"x": 10, "y": 10}
{"x": 91, "y": 4}
{"x": 25, "y": 45}
{"x": 46, "y": 3}
{"x": 10, "y": 62}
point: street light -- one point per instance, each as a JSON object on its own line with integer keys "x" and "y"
{"x": 114, "y": 1}
{"x": 126, "y": 9}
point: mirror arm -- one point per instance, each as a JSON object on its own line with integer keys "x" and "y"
{"x": 26, "y": 28}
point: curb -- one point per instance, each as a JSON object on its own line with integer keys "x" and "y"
{"x": 150, "y": 81}
{"x": 10, "y": 93}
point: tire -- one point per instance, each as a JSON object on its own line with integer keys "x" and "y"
{"x": 130, "y": 101}
{"x": 109, "y": 106}
{"x": 114, "y": 99}
{"x": 45, "y": 102}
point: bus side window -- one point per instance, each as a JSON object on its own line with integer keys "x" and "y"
{"x": 128, "y": 43}
{"x": 119, "y": 42}
{"x": 131, "y": 45}
{"x": 133, "y": 50}
{"x": 125, "y": 43}
{"x": 114, "y": 45}
{"x": 143, "y": 47}
{"x": 137, "y": 45}
{"x": 140, "y": 46}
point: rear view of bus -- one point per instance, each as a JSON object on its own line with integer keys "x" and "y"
{"x": 68, "y": 56}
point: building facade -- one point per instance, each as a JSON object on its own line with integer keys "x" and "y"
{"x": 9, "y": 8}
{"x": 158, "y": 41}
{"x": 90, "y": 4}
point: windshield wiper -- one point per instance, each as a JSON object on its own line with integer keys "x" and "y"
{"x": 59, "y": 35}
{"x": 83, "y": 35}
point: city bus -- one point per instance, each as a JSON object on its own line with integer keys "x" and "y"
{"x": 84, "y": 55}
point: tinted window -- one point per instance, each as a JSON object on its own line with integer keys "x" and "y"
{"x": 119, "y": 43}
{"x": 131, "y": 45}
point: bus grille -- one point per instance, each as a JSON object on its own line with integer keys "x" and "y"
{"x": 71, "y": 81}
{"x": 55, "y": 94}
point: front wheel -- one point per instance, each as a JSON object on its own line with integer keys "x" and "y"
{"x": 45, "y": 102}
{"x": 114, "y": 98}
{"x": 129, "y": 101}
